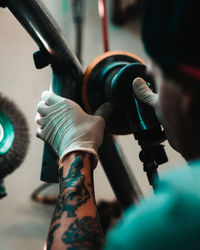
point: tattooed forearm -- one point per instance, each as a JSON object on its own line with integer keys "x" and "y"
{"x": 73, "y": 190}
{"x": 84, "y": 234}
{"x": 75, "y": 223}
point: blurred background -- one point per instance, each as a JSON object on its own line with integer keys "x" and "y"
{"x": 24, "y": 223}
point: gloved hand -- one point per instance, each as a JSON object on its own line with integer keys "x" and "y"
{"x": 67, "y": 128}
{"x": 145, "y": 95}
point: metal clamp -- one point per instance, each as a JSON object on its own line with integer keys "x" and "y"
{"x": 41, "y": 58}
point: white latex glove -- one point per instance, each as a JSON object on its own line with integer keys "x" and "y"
{"x": 67, "y": 128}
{"x": 145, "y": 95}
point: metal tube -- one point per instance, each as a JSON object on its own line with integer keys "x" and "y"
{"x": 78, "y": 8}
{"x": 104, "y": 23}
{"x": 40, "y": 24}
{"x": 118, "y": 172}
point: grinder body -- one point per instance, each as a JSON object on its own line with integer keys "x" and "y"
{"x": 109, "y": 78}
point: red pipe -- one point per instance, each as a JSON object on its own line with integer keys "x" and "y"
{"x": 104, "y": 23}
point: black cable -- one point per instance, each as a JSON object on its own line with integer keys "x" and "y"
{"x": 78, "y": 14}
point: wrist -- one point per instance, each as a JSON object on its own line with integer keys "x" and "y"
{"x": 73, "y": 150}
{"x": 66, "y": 161}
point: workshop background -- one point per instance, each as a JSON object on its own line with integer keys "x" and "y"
{"x": 23, "y": 223}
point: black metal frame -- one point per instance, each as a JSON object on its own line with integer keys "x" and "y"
{"x": 66, "y": 81}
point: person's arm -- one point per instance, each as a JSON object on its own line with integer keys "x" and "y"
{"x": 75, "y": 223}
{"x": 75, "y": 137}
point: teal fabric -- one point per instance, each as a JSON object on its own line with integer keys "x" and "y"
{"x": 170, "y": 220}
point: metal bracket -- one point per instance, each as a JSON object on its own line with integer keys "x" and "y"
{"x": 41, "y": 58}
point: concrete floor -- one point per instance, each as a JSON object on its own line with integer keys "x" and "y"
{"x": 23, "y": 223}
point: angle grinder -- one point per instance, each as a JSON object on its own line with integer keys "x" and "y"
{"x": 109, "y": 78}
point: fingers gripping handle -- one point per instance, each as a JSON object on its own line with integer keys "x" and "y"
{"x": 49, "y": 171}
{"x": 67, "y": 128}
{"x": 144, "y": 93}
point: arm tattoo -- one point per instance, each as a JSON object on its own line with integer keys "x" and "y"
{"x": 83, "y": 232}
{"x": 73, "y": 190}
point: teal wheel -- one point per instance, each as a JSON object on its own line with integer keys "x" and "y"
{"x": 7, "y": 133}
{"x": 14, "y": 137}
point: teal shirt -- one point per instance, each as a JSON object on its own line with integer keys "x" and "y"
{"x": 170, "y": 220}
